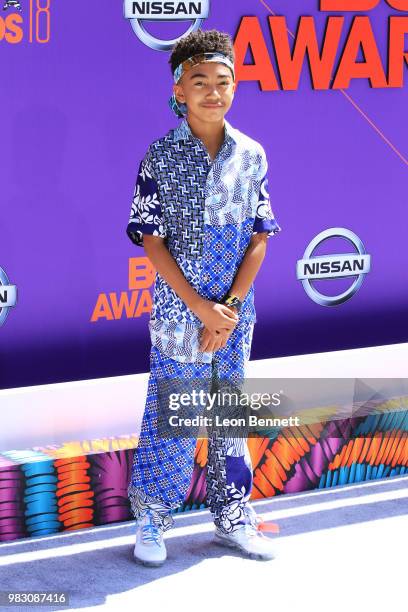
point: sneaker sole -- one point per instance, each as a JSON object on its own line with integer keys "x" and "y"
{"x": 250, "y": 555}
{"x": 148, "y": 563}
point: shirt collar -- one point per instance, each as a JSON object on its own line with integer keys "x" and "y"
{"x": 183, "y": 131}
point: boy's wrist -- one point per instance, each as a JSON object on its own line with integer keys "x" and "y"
{"x": 240, "y": 293}
{"x": 232, "y": 300}
{"x": 197, "y": 304}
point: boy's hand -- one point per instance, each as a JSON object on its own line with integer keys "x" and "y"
{"x": 217, "y": 317}
{"x": 212, "y": 342}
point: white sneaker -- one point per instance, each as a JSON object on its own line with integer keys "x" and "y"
{"x": 150, "y": 548}
{"x": 249, "y": 538}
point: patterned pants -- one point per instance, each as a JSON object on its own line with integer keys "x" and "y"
{"x": 163, "y": 466}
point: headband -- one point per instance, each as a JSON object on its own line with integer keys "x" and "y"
{"x": 179, "y": 108}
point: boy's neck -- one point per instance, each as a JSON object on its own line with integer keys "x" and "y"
{"x": 210, "y": 133}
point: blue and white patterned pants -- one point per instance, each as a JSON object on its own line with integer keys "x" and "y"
{"x": 163, "y": 466}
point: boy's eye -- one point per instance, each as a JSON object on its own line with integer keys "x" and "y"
{"x": 221, "y": 83}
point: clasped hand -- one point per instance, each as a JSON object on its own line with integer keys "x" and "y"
{"x": 219, "y": 322}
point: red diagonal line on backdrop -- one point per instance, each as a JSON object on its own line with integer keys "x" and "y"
{"x": 379, "y": 132}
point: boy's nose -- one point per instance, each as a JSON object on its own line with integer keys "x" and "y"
{"x": 213, "y": 96}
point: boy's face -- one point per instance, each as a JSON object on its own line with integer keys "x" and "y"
{"x": 208, "y": 90}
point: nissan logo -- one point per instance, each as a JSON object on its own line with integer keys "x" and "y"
{"x": 8, "y": 296}
{"x": 138, "y": 12}
{"x": 333, "y": 266}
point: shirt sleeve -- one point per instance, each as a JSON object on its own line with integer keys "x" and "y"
{"x": 146, "y": 215}
{"x": 264, "y": 218}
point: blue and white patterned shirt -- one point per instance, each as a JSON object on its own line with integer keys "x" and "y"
{"x": 206, "y": 210}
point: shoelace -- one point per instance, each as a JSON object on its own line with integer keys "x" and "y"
{"x": 266, "y": 526}
{"x": 150, "y": 532}
{"x": 257, "y": 522}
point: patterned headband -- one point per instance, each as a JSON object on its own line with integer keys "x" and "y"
{"x": 179, "y": 108}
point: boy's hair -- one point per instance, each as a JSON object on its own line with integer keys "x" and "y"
{"x": 201, "y": 41}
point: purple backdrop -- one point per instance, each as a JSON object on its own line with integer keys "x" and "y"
{"x": 78, "y": 113}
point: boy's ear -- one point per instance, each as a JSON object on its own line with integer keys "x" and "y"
{"x": 179, "y": 93}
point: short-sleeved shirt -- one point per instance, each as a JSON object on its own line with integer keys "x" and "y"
{"x": 206, "y": 211}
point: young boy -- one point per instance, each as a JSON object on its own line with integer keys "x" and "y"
{"x": 201, "y": 210}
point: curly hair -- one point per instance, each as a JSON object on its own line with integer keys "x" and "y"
{"x": 201, "y": 41}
